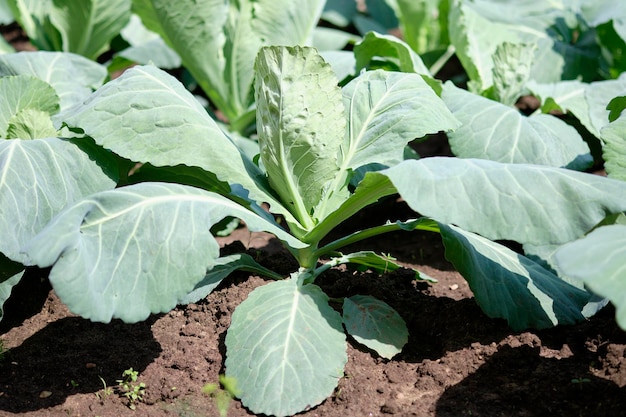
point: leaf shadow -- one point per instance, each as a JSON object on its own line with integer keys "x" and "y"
{"x": 518, "y": 381}
{"x": 69, "y": 356}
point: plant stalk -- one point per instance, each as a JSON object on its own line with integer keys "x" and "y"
{"x": 367, "y": 233}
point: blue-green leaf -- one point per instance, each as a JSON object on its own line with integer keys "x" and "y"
{"x": 146, "y": 115}
{"x": 286, "y": 348}
{"x": 52, "y": 24}
{"x": 38, "y": 178}
{"x": 223, "y": 267}
{"x": 22, "y": 92}
{"x": 301, "y": 124}
{"x": 137, "y": 250}
{"x": 72, "y": 76}
{"x": 598, "y": 259}
{"x": 526, "y": 203}
{"x": 497, "y": 132}
{"x": 375, "y": 324}
{"x": 218, "y": 40}
{"x": 614, "y": 150}
{"x": 510, "y": 286}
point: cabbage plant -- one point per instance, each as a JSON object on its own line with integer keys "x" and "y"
{"x": 324, "y": 153}
{"x": 218, "y": 42}
{"x": 41, "y": 169}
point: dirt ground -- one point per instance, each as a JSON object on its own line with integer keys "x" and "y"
{"x": 457, "y": 362}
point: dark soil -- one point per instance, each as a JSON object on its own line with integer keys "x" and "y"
{"x": 457, "y": 361}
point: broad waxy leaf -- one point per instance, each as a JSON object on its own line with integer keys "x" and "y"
{"x": 386, "y": 110}
{"x": 375, "y": 45}
{"x": 38, "y": 178}
{"x": 6, "y": 17}
{"x": 5, "y": 289}
{"x": 224, "y": 266}
{"x": 588, "y": 102}
{"x": 52, "y": 24}
{"x": 510, "y": 286}
{"x": 22, "y": 92}
{"x": 598, "y": 259}
{"x": 477, "y": 27}
{"x": 301, "y": 123}
{"x": 10, "y": 274}
{"x": 5, "y": 47}
{"x": 218, "y": 40}
{"x": 137, "y": 250}
{"x": 423, "y": 23}
{"x": 497, "y": 132}
{"x": 146, "y": 115}
{"x": 72, "y": 76}
{"x": 614, "y": 150}
{"x": 529, "y": 204}
{"x": 375, "y": 324}
{"x": 147, "y": 47}
{"x": 286, "y": 348}
{"x": 30, "y": 124}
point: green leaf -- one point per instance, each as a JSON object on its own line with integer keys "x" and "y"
{"x": 525, "y": 203}
{"x": 381, "y": 110}
{"x": 32, "y": 16}
{"x": 500, "y": 133}
{"x": 51, "y": 24}
{"x": 382, "y": 264}
{"x": 286, "y": 348}
{"x": 424, "y": 23}
{"x": 73, "y": 77}
{"x": 614, "y": 151}
{"x": 375, "y": 324}
{"x": 329, "y": 39}
{"x": 10, "y": 274}
{"x": 225, "y": 266}
{"x": 598, "y": 260}
{"x": 510, "y": 286}
{"x": 147, "y": 47}
{"x": 588, "y": 102}
{"x": 38, "y": 178}
{"x": 376, "y": 46}
{"x": 381, "y": 107}
{"x": 565, "y": 48}
{"x": 146, "y": 115}
{"x": 25, "y": 92}
{"x": 301, "y": 124}
{"x": 5, "y": 47}
{"x": 616, "y": 107}
{"x": 511, "y": 70}
{"x": 30, "y": 124}
{"x": 218, "y": 40}
{"x": 109, "y": 260}
{"x": 6, "y": 17}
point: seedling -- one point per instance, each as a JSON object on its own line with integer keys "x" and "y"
{"x": 581, "y": 381}
{"x": 130, "y": 388}
{"x": 105, "y": 392}
{"x": 222, "y": 393}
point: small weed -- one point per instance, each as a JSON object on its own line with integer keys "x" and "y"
{"x": 106, "y": 391}
{"x": 222, "y": 393}
{"x": 580, "y": 381}
{"x": 129, "y": 387}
